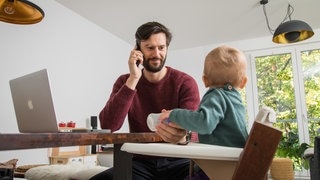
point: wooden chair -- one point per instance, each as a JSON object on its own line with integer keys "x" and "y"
{"x": 258, "y": 152}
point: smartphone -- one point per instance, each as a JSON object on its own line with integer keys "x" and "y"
{"x": 138, "y": 48}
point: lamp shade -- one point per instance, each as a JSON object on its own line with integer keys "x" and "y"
{"x": 291, "y": 32}
{"x": 20, "y": 12}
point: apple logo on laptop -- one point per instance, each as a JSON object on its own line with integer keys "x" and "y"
{"x": 30, "y": 104}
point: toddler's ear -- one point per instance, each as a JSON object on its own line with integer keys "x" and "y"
{"x": 243, "y": 82}
{"x": 205, "y": 81}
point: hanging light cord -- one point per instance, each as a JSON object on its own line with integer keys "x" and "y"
{"x": 290, "y": 10}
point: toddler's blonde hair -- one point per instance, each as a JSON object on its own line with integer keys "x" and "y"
{"x": 225, "y": 65}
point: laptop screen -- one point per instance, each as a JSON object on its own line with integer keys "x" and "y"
{"x": 33, "y": 103}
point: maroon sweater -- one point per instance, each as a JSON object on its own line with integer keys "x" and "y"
{"x": 175, "y": 90}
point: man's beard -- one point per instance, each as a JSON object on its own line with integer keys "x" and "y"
{"x": 149, "y": 67}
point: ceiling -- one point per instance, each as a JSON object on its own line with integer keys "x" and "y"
{"x": 194, "y": 23}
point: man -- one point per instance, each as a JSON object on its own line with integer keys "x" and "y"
{"x": 149, "y": 90}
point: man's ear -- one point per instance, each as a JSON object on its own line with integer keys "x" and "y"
{"x": 243, "y": 82}
{"x": 205, "y": 81}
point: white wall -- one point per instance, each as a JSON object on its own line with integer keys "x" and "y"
{"x": 83, "y": 62}
{"x": 82, "y": 59}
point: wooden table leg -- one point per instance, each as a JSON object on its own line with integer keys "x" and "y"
{"x": 122, "y": 164}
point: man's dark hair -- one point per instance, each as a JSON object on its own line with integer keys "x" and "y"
{"x": 150, "y": 28}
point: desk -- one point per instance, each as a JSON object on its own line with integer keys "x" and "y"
{"x": 122, "y": 167}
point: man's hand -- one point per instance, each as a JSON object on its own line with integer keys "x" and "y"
{"x": 171, "y": 132}
{"x": 135, "y": 72}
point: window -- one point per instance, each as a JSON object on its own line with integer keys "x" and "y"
{"x": 288, "y": 80}
{"x": 310, "y": 63}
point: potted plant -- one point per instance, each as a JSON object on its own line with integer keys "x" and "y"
{"x": 289, "y": 147}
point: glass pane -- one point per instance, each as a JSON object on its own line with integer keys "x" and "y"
{"x": 311, "y": 77}
{"x": 244, "y": 100}
{"x": 275, "y": 87}
{"x": 276, "y": 90}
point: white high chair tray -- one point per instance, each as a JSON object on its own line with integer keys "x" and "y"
{"x": 192, "y": 150}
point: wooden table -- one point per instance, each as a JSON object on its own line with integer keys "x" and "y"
{"x": 122, "y": 160}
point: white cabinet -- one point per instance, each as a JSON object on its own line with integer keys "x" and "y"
{"x": 90, "y": 159}
{"x": 72, "y": 154}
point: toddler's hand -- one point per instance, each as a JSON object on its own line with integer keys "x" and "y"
{"x": 164, "y": 116}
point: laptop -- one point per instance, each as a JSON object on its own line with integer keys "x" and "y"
{"x": 33, "y": 104}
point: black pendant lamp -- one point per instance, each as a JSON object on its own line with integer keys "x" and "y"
{"x": 20, "y": 12}
{"x": 290, "y": 31}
